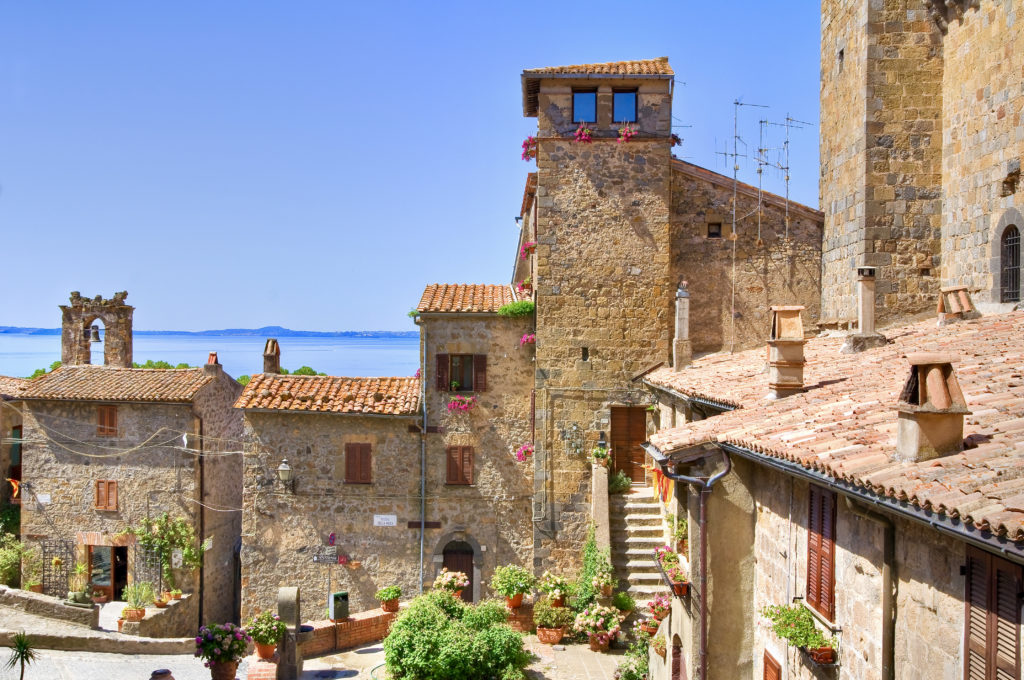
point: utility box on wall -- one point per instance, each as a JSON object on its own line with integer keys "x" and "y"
{"x": 337, "y": 605}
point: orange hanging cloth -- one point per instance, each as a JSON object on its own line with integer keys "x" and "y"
{"x": 15, "y": 485}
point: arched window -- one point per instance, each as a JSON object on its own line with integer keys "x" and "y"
{"x": 1009, "y": 265}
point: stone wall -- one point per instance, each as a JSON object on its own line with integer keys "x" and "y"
{"x": 81, "y": 314}
{"x": 38, "y": 604}
{"x": 176, "y": 620}
{"x": 771, "y": 269}
{"x": 983, "y": 141}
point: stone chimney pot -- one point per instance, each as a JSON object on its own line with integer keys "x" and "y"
{"x": 786, "y": 352}
{"x": 931, "y": 409}
{"x": 272, "y": 357}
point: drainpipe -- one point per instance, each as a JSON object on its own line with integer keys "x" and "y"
{"x": 423, "y": 443}
{"x": 889, "y": 585}
{"x": 704, "y": 485}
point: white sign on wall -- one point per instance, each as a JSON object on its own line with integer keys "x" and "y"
{"x": 385, "y": 520}
{"x": 43, "y": 498}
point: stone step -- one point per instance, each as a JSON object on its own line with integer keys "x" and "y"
{"x": 639, "y": 505}
{"x": 641, "y": 519}
{"x": 636, "y": 564}
{"x": 637, "y": 540}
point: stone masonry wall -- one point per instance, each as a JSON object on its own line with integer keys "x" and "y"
{"x": 772, "y": 271}
{"x": 983, "y": 141}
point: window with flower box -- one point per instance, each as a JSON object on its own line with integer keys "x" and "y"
{"x": 461, "y": 372}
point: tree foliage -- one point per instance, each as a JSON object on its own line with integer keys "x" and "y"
{"x": 164, "y": 535}
{"x": 159, "y": 364}
{"x": 42, "y": 371}
{"x": 517, "y": 309}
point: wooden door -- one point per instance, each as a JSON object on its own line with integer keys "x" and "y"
{"x": 101, "y": 570}
{"x": 458, "y": 556}
{"x": 629, "y": 431}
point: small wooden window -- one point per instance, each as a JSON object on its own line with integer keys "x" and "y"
{"x": 460, "y": 464}
{"x": 106, "y": 425}
{"x": 105, "y": 495}
{"x": 461, "y": 372}
{"x": 992, "y": 625}
{"x": 714, "y": 230}
{"x": 821, "y": 548}
{"x": 358, "y": 464}
{"x": 772, "y": 668}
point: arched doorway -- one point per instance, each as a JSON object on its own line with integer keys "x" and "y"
{"x": 1009, "y": 265}
{"x": 458, "y": 556}
{"x": 678, "y": 664}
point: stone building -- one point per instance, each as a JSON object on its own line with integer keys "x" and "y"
{"x": 385, "y": 476}
{"x": 921, "y": 141}
{"x": 109, "y": 446}
{"x": 10, "y": 434}
{"x": 618, "y": 227}
{"x": 884, "y": 496}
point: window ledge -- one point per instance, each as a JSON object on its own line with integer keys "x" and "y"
{"x": 818, "y": 616}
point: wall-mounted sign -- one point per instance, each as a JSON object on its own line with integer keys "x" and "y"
{"x": 177, "y": 558}
{"x": 385, "y": 520}
{"x": 325, "y": 554}
{"x": 43, "y": 498}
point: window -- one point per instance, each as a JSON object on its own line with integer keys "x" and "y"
{"x": 16, "y": 445}
{"x": 821, "y": 532}
{"x": 107, "y": 424}
{"x": 461, "y": 372}
{"x": 624, "y": 106}
{"x": 358, "y": 464}
{"x": 106, "y": 495}
{"x": 460, "y": 465}
{"x": 841, "y": 59}
{"x": 992, "y": 626}
{"x": 714, "y": 230}
{"x": 584, "y": 106}
{"x": 1009, "y": 265}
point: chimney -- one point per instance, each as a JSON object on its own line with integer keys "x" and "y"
{"x": 786, "y": 352}
{"x": 272, "y": 357}
{"x": 682, "y": 351}
{"x": 212, "y": 366}
{"x": 955, "y": 304}
{"x": 931, "y": 409}
{"x": 866, "y": 337}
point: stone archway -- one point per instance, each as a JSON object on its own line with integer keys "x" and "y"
{"x": 452, "y": 541}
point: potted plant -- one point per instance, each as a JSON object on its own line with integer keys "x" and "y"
{"x": 528, "y": 248}
{"x": 138, "y": 596}
{"x": 525, "y": 286}
{"x": 452, "y": 581}
{"x": 35, "y": 586}
{"x": 672, "y": 569}
{"x": 79, "y": 577}
{"x": 659, "y": 607}
{"x": 624, "y": 602}
{"x": 600, "y": 624}
{"x": 461, "y": 402}
{"x": 604, "y": 579}
{"x": 659, "y": 646}
{"x": 512, "y": 582}
{"x": 221, "y": 647}
{"x": 388, "y": 598}
{"x": 99, "y": 596}
{"x": 795, "y": 624}
{"x": 266, "y": 631}
{"x": 528, "y": 339}
{"x": 551, "y": 620}
{"x": 555, "y": 587}
{"x": 681, "y": 535}
{"x": 529, "y": 148}
{"x": 600, "y": 456}
{"x": 176, "y": 594}
{"x": 120, "y": 621}
{"x": 583, "y": 134}
{"x": 650, "y": 626}
{"x": 627, "y": 132}
{"x": 160, "y": 601}
{"x": 523, "y": 451}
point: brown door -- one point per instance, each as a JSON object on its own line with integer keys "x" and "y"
{"x": 101, "y": 570}
{"x": 458, "y": 556}
{"x": 629, "y": 431}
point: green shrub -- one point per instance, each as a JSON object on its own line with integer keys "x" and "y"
{"x": 11, "y": 551}
{"x": 795, "y": 624}
{"x": 138, "y": 595}
{"x": 547, "y": 616}
{"x": 619, "y": 482}
{"x": 634, "y": 664}
{"x": 584, "y": 592}
{"x": 388, "y": 593}
{"x": 486, "y": 614}
{"x": 266, "y": 629}
{"x": 516, "y": 309}
{"x": 244, "y": 379}
{"x": 623, "y": 601}
{"x": 511, "y": 580}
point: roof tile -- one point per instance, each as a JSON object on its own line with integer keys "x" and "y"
{"x": 331, "y": 394}
{"x": 108, "y": 383}
{"x": 465, "y": 297}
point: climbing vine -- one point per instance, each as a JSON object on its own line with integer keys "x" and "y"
{"x": 165, "y": 535}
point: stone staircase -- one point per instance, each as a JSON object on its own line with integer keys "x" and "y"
{"x": 636, "y": 530}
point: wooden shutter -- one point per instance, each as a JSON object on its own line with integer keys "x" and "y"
{"x": 443, "y": 383}
{"x": 772, "y": 669}
{"x": 1005, "y": 631}
{"x": 365, "y": 464}
{"x": 467, "y": 464}
{"x": 351, "y": 463}
{"x": 976, "y": 626}
{"x": 107, "y": 421}
{"x": 111, "y": 495}
{"x": 992, "y": 627}
{"x": 454, "y": 461}
{"x": 101, "y": 495}
{"x": 479, "y": 372}
{"x": 821, "y": 529}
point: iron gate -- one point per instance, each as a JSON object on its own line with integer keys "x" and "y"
{"x": 58, "y": 560}
{"x": 148, "y": 567}
{"x": 1010, "y": 265}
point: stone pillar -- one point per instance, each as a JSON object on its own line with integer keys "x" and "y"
{"x": 599, "y": 506}
{"x": 289, "y": 666}
{"x": 866, "y": 337}
{"x": 682, "y": 350}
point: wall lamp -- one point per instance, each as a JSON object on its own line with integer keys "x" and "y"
{"x": 286, "y": 475}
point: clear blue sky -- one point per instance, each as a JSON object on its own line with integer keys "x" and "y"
{"x": 315, "y": 164}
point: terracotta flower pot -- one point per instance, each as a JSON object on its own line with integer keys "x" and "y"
{"x": 265, "y": 651}
{"x": 596, "y": 646}
{"x": 36, "y": 587}
{"x": 176, "y": 596}
{"x": 649, "y": 628}
{"x": 681, "y": 588}
{"x": 134, "y": 614}
{"x": 457, "y": 593}
{"x": 390, "y": 605}
{"x": 223, "y": 670}
{"x": 558, "y": 602}
{"x": 120, "y": 625}
{"x": 823, "y": 655}
{"x": 550, "y": 636}
{"x": 99, "y": 599}
{"x": 515, "y": 601}
{"x": 606, "y": 591}
{"x": 159, "y": 604}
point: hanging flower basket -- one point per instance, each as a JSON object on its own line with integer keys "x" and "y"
{"x": 627, "y": 132}
{"x": 523, "y": 452}
{"x": 528, "y": 339}
{"x": 528, "y": 248}
{"x": 529, "y": 148}
{"x": 524, "y": 286}
{"x": 584, "y": 135}
{"x": 461, "y": 403}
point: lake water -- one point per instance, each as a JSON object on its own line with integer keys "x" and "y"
{"x": 21, "y": 354}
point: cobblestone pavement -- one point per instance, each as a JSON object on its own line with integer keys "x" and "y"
{"x": 59, "y": 665}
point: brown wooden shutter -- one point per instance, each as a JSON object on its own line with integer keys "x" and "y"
{"x": 1005, "y": 632}
{"x": 821, "y": 529}
{"x": 992, "y": 628}
{"x": 106, "y": 424}
{"x": 467, "y": 464}
{"x": 976, "y": 627}
{"x": 480, "y": 372}
{"x": 351, "y": 463}
{"x": 111, "y": 495}
{"x": 772, "y": 669}
{"x": 443, "y": 383}
{"x": 453, "y": 456}
{"x": 813, "y": 549}
{"x": 101, "y": 495}
{"x": 365, "y": 464}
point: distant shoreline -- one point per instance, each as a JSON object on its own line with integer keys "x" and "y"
{"x": 266, "y": 331}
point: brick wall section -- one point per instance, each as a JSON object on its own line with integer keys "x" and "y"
{"x": 521, "y": 618}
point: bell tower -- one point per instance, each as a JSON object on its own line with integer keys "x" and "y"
{"x": 77, "y": 335}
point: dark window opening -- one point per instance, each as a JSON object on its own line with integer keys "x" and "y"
{"x": 16, "y": 445}
{"x": 624, "y": 106}
{"x": 584, "y": 106}
{"x": 1009, "y": 265}
{"x": 461, "y": 372}
{"x": 714, "y": 230}
{"x": 1010, "y": 183}
{"x": 106, "y": 425}
{"x": 586, "y": 354}
{"x": 925, "y": 271}
{"x": 842, "y": 58}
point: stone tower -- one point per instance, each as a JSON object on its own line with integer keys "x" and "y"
{"x": 602, "y": 290}
{"x": 881, "y": 154}
{"x": 78, "y": 317}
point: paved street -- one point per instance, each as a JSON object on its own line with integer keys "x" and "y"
{"x": 60, "y": 665}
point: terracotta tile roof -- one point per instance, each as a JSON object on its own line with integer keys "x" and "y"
{"x": 529, "y": 193}
{"x": 844, "y": 425}
{"x": 106, "y": 383}
{"x": 10, "y": 388}
{"x": 465, "y": 297}
{"x": 331, "y": 394}
{"x": 641, "y": 68}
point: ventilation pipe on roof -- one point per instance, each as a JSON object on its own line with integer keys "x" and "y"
{"x": 931, "y": 409}
{"x": 955, "y": 304}
{"x": 866, "y": 336}
{"x": 682, "y": 351}
{"x": 272, "y": 357}
{"x": 786, "y": 352}
{"x": 212, "y": 366}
